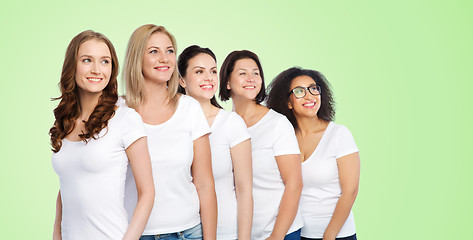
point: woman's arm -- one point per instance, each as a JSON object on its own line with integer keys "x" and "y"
{"x": 290, "y": 169}
{"x": 204, "y": 183}
{"x": 243, "y": 177}
{"x": 140, "y": 163}
{"x": 349, "y": 175}
{"x": 57, "y": 222}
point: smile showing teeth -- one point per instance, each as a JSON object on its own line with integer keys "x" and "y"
{"x": 161, "y": 68}
{"x": 311, "y": 104}
{"x": 94, "y": 79}
{"x": 249, "y": 87}
{"x": 206, "y": 86}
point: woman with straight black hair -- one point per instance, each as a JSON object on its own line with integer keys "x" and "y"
{"x": 277, "y": 181}
{"x": 229, "y": 142}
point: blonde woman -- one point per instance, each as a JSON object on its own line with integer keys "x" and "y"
{"x": 229, "y": 142}
{"x": 178, "y": 139}
{"x": 93, "y": 142}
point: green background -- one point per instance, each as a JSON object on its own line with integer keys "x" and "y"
{"x": 399, "y": 71}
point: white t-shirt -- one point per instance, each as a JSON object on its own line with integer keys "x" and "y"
{"x": 92, "y": 179}
{"x": 176, "y": 204}
{"x": 271, "y": 136}
{"x": 321, "y": 183}
{"x": 228, "y": 130}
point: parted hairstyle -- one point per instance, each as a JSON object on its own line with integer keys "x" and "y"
{"x": 227, "y": 68}
{"x": 183, "y": 62}
{"x": 68, "y": 109}
{"x": 279, "y": 89}
{"x": 133, "y": 68}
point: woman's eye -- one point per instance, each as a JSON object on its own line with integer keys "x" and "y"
{"x": 86, "y": 60}
{"x": 242, "y": 73}
{"x": 171, "y": 51}
{"x": 198, "y": 71}
{"x": 153, "y": 51}
{"x": 214, "y": 71}
{"x": 105, "y": 61}
{"x": 256, "y": 73}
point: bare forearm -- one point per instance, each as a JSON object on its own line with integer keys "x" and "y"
{"x": 140, "y": 216}
{"x": 340, "y": 215}
{"x": 208, "y": 211}
{"x": 287, "y": 211}
{"x": 245, "y": 214}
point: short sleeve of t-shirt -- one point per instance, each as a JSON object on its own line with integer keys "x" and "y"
{"x": 345, "y": 142}
{"x": 200, "y": 126}
{"x": 286, "y": 141}
{"x": 239, "y": 131}
{"x": 132, "y": 127}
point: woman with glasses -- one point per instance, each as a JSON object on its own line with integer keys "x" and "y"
{"x": 329, "y": 155}
{"x": 277, "y": 181}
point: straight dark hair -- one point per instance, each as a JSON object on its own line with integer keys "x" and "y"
{"x": 183, "y": 62}
{"x": 227, "y": 68}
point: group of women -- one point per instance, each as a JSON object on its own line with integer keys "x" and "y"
{"x": 162, "y": 161}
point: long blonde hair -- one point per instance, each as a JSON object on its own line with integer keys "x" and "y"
{"x": 133, "y": 73}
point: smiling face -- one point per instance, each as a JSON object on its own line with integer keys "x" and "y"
{"x": 201, "y": 79}
{"x": 159, "y": 59}
{"x": 307, "y": 106}
{"x": 94, "y": 67}
{"x": 245, "y": 80}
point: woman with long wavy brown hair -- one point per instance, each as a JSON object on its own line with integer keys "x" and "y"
{"x": 93, "y": 141}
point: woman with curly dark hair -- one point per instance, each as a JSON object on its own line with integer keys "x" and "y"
{"x": 93, "y": 142}
{"x": 329, "y": 155}
{"x": 277, "y": 181}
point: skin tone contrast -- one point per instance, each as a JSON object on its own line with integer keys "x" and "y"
{"x": 244, "y": 85}
{"x": 159, "y": 62}
{"x": 309, "y": 132}
{"x": 201, "y": 83}
{"x": 94, "y": 67}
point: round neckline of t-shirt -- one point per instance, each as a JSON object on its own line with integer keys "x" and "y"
{"x": 171, "y": 118}
{"x": 217, "y": 118}
{"x": 115, "y": 114}
{"x": 321, "y": 139}
{"x": 262, "y": 119}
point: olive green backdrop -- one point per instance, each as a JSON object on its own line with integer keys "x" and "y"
{"x": 399, "y": 71}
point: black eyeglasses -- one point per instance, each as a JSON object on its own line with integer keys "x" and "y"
{"x": 300, "y": 92}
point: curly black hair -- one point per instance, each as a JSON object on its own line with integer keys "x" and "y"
{"x": 280, "y": 87}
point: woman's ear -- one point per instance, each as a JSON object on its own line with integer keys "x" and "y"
{"x": 289, "y": 105}
{"x": 228, "y": 85}
{"x": 182, "y": 83}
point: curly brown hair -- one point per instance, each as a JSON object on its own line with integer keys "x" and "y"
{"x": 68, "y": 109}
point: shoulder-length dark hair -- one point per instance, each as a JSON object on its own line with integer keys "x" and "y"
{"x": 227, "y": 68}
{"x": 279, "y": 94}
{"x": 68, "y": 109}
{"x": 183, "y": 62}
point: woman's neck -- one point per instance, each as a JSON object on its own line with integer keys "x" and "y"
{"x": 155, "y": 94}
{"x": 307, "y": 125}
{"x": 88, "y": 102}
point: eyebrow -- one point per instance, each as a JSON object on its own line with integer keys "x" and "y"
{"x": 90, "y": 56}
{"x": 244, "y": 69}
{"x": 158, "y": 47}
{"x": 202, "y": 67}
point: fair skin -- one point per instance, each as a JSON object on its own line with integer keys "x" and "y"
{"x": 309, "y": 132}
{"x": 159, "y": 62}
{"x": 201, "y": 83}
{"x": 244, "y": 85}
{"x": 93, "y": 72}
